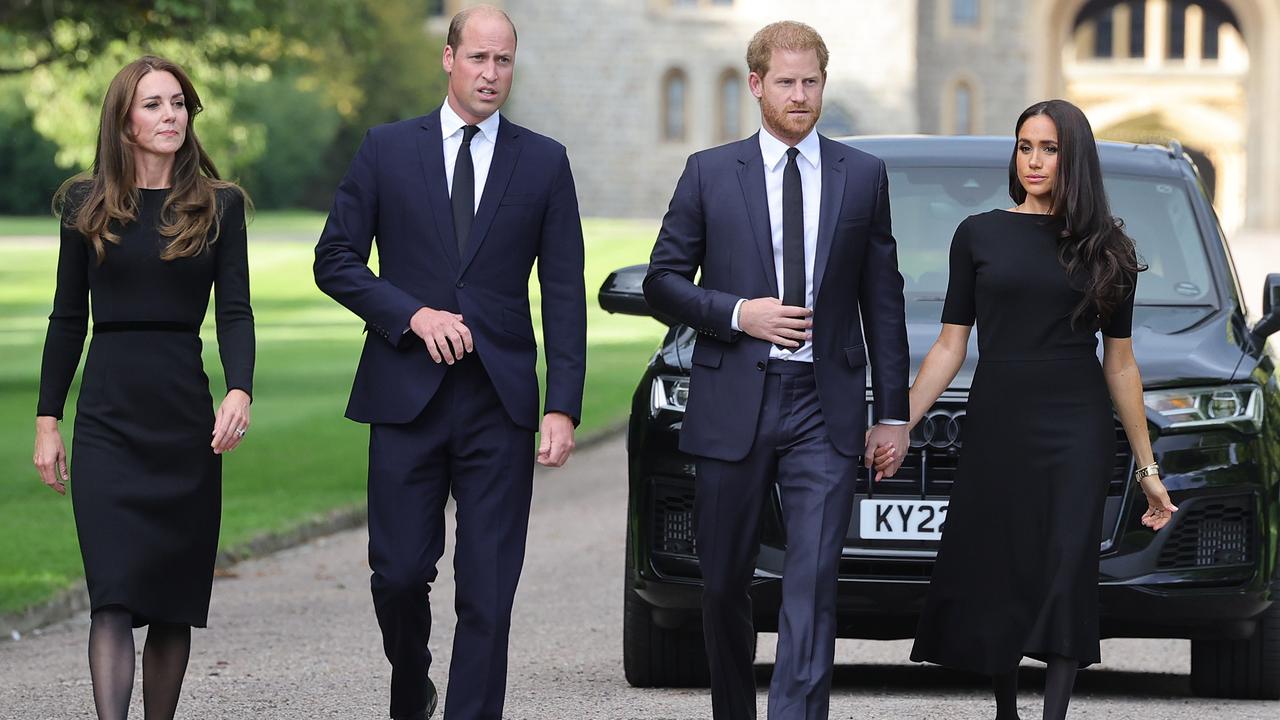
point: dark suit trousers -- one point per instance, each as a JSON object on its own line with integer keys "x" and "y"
{"x": 463, "y": 444}
{"x": 816, "y": 483}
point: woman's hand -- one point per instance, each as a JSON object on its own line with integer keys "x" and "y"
{"x": 1159, "y": 509}
{"x": 231, "y": 422}
{"x": 51, "y": 455}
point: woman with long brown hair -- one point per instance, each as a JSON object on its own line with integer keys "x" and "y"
{"x": 146, "y": 234}
{"x": 1017, "y": 572}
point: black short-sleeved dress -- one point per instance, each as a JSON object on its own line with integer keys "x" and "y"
{"x": 146, "y": 487}
{"x": 1017, "y": 571}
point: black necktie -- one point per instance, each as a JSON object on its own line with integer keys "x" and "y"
{"x": 464, "y": 189}
{"x": 793, "y": 273}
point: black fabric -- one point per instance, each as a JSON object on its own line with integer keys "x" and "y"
{"x": 164, "y": 664}
{"x": 111, "y": 661}
{"x": 463, "y": 195}
{"x": 145, "y": 484}
{"x": 793, "y": 269}
{"x": 1005, "y": 687}
{"x": 1017, "y": 570}
{"x": 1059, "y": 679}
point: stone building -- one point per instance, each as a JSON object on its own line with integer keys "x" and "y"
{"x": 632, "y": 87}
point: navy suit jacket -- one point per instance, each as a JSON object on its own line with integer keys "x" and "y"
{"x": 396, "y": 192}
{"x": 718, "y": 222}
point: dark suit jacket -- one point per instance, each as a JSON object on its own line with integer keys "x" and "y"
{"x": 396, "y": 192}
{"x": 718, "y": 222}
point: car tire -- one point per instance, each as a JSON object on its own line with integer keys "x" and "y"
{"x": 654, "y": 656}
{"x": 1241, "y": 668}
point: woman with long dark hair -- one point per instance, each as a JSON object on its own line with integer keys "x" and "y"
{"x": 147, "y": 233}
{"x": 1017, "y": 572}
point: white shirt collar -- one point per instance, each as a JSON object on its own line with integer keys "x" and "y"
{"x": 451, "y": 124}
{"x": 774, "y": 150}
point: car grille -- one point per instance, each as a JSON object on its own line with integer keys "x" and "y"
{"x": 930, "y": 466}
{"x": 672, "y": 518}
{"x": 1214, "y": 532}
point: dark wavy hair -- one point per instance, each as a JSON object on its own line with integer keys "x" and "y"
{"x": 1094, "y": 248}
{"x": 106, "y": 198}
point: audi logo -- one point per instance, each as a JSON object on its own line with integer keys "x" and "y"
{"x": 939, "y": 429}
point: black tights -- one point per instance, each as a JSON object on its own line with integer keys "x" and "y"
{"x": 1059, "y": 678}
{"x": 111, "y": 663}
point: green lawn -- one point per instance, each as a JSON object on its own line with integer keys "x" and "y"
{"x": 302, "y": 458}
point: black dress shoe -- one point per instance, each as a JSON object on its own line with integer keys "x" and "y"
{"x": 433, "y": 699}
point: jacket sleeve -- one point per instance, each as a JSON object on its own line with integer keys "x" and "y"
{"x": 883, "y": 309}
{"x": 678, "y": 253}
{"x": 564, "y": 297}
{"x": 342, "y": 255}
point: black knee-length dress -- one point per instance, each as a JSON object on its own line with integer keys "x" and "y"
{"x": 146, "y": 487}
{"x": 1017, "y": 570}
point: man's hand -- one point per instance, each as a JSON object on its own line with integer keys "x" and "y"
{"x": 557, "y": 439}
{"x": 444, "y": 334}
{"x": 768, "y": 319}
{"x": 886, "y": 448}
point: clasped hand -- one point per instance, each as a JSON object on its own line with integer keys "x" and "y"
{"x": 768, "y": 319}
{"x": 446, "y": 336}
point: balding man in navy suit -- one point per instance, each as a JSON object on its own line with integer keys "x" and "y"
{"x": 462, "y": 202}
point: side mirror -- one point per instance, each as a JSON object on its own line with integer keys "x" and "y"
{"x": 1270, "y": 321}
{"x": 623, "y": 293}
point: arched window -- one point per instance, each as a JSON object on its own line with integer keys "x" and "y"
{"x": 675, "y": 105}
{"x": 962, "y": 108}
{"x": 729, "y": 102}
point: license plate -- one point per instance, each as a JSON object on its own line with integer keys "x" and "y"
{"x": 901, "y": 519}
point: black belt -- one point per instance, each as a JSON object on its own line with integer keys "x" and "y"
{"x": 789, "y": 367}
{"x": 144, "y": 326}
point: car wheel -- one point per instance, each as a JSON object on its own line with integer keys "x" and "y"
{"x": 654, "y": 656}
{"x": 1241, "y": 668}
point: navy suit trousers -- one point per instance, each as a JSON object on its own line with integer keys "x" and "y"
{"x": 465, "y": 444}
{"x": 816, "y": 483}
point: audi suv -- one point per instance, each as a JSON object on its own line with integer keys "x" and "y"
{"x": 1213, "y": 409}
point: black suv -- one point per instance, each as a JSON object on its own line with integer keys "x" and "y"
{"x": 1213, "y": 409}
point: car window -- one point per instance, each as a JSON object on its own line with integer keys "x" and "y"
{"x": 929, "y": 202}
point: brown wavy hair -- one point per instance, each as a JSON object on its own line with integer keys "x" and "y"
{"x": 107, "y": 197}
{"x": 1093, "y": 247}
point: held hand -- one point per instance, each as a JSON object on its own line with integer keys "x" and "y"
{"x": 446, "y": 337}
{"x": 51, "y": 455}
{"x": 1160, "y": 509}
{"x": 231, "y": 422}
{"x": 886, "y": 449}
{"x": 557, "y": 439}
{"x": 768, "y": 319}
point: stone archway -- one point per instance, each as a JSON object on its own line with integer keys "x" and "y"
{"x": 1248, "y": 182}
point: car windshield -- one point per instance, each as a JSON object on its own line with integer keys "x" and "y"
{"x": 929, "y": 202}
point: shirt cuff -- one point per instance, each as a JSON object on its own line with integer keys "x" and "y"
{"x": 733, "y": 321}
{"x": 888, "y": 421}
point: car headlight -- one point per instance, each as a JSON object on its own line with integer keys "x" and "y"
{"x": 1232, "y": 406}
{"x": 669, "y": 393}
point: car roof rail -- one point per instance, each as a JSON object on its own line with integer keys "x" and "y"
{"x": 1175, "y": 149}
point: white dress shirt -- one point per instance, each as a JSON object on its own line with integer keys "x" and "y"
{"x": 774, "y": 153}
{"x": 481, "y": 146}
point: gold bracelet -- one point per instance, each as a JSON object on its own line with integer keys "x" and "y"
{"x": 1145, "y": 471}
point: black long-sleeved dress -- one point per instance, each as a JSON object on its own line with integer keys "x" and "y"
{"x": 1017, "y": 573}
{"x": 146, "y": 487}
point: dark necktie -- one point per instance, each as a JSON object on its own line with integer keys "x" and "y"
{"x": 793, "y": 272}
{"x": 464, "y": 190}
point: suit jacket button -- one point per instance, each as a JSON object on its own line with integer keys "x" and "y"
{"x": 461, "y": 284}
{"x": 761, "y": 365}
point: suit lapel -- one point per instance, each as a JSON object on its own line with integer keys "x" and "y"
{"x": 431, "y": 154}
{"x": 505, "y": 152}
{"x": 833, "y": 179}
{"x": 751, "y": 176}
